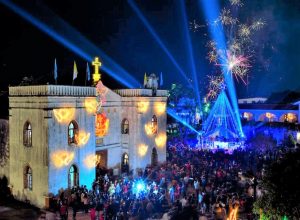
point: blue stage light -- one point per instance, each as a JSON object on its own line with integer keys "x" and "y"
{"x": 70, "y": 38}
{"x": 157, "y": 38}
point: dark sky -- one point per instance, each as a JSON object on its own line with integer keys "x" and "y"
{"x": 112, "y": 26}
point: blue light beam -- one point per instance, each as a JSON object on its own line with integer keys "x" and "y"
{"x": 190, "y": 50}
{"x": 183, "y": 122}
{"x": 73, "y": 40}
{"x": 156, "y": 37}
{"x": 211, "y": 10}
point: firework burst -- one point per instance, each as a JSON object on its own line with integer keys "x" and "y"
{"x": 236, "y": 3}
{"x": 214, "y": 86}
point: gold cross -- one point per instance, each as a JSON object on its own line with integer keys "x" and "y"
{"x": 96, "y": 76}
{"x": 96, "y": 63}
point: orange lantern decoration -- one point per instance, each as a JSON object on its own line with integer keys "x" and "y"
{"x": 102, "y": 125}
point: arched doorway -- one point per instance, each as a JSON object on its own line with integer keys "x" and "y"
{"x": 73, "y": 179}
{"x": 154, "y": 157}
{"x": 125, "y": 163}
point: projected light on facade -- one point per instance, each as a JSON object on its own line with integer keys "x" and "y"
{"x": 160, "y": 108}
{"x": 160, "y": 140}
{"x": 102, "y": 125}
{"x": 92, "y": 161}
{"x": 62, "y": 158}
{"x": 142, "y": 149}
{"x": 64, "y": 115}
{"x": 143, "y": 106}
{"x": 82, "y": 138}
{"x": 90, "y": 105}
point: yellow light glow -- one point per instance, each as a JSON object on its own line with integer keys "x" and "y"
{"x": 269, "y": 115}
{"x": 160, "y": 108}
{"x": 246, "y": 115}
{"x": 102, "y": 125}
{"x": 233, "y": 213}
{"x": 90, "y": 105}
{"x": 92, "y": 160}
{"x": 143, "y": 106}
{"x": 82, "y": 138}
{"x": 149, "y": 129}
{"x": 64, "y": 115}
{"x": 160, "y": 140}
{"x": 291, "y": 117}
{"x": 142, "y": 149}
{"x": 62, "y": 158}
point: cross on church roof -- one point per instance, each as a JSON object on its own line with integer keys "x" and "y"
{"x": 96, "y": 76}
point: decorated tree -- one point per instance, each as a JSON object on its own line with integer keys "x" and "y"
{"x": 281, "y": 193}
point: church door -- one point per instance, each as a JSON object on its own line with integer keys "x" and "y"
{"x": 125, "y": 163}
{"x": 154, "y": 157}
{"x": 73, "y": 179}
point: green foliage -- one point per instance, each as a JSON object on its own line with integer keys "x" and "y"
{"x": 281, "y": 193}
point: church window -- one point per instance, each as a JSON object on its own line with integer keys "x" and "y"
{"x": 72, "y": 132}
{"x": 28, "y": 178}
{"x": 154, "y": 124}
{"x": 125, "y": 126}
{"x": 125, "y": 163}
{"x": 73, "y": 179}
{"x": 27, "y": 135}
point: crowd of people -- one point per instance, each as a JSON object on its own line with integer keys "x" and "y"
{"x": 193, "y": 183}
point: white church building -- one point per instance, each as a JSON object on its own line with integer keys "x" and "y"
{"x": 57, "y": 140}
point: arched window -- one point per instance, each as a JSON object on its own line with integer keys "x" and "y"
{"x": 73, "y": 179}
{"x": 27, "y": 134}
{"x": 154, "y": 124}
{"x": 28, "y": 178}
{"x": 125, "y": 126}
{"x": 72, "y": 132}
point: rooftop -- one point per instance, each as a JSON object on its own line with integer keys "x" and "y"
{"x": 51, "y": 90}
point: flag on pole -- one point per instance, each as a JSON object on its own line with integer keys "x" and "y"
{"x": 75, "y": 71}
{"x": 55, "y": 71}
{"x": 161, "y": 81}
{"x": 145, "y": 80}
{"x": 88, "y": 74}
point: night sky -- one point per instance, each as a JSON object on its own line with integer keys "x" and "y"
{"x": 113, "y": 27}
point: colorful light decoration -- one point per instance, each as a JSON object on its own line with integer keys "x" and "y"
{"x": 92, "y": 161}
{"x": 142, "y": 149}
{"x": 143, "y": 106}
{"x": 233, "y": 213}
{"x": 102, "y": 125}
{"x": 160, "y": 108}
{"x": 90, "y": 105}
{"x": 62, "y": 158}
{"x": 64, "y": 115}
{"x": 160, "y": 140}
{"x": 101, "y": 91}
{"x": 150, "y": 129}
{"x": 82, "y": 138}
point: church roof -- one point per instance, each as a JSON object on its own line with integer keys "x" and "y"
{"x": 52, "y": 90}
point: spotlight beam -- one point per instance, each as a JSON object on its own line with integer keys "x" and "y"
{"x": 73, "y": 40}
{"x": 183, "y": 122}
{"x": 211, "y": 10}
{"x": 153, "y": 33}
{"x": 111, "y": 69}
{"x": 190, "y": 49}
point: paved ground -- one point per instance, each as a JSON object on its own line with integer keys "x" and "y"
{"x": 7, "y": 213}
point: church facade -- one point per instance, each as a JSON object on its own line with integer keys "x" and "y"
{"x": 56, "y": 138}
